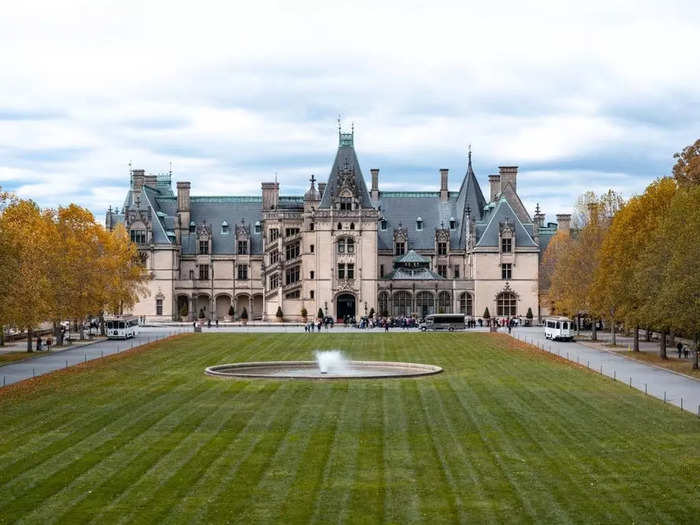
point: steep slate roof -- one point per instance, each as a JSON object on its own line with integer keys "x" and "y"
{"x": 488, "y": 229}
{"x": 470, "y": 193}
{"x": 345, "y": 157}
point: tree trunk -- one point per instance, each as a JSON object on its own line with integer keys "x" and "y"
{"x": 82, "y": 330}
{"x": 695, "y": 353}
{"x": 2, "y": 335}
{"x": 613, "y": 333}
{"x": 578, "y": 324}
{"x": 635, "y": 344}
{"x": 662, "y": 345}
{"x": 29, "y": 340}
{"x": 594, "y": 331}
{"x": 648, "y": 335}
{"x": 672, "y": 338}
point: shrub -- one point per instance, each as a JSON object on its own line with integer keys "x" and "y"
{"x": 320, "y": 314}
{"x": 304, "y": 313}
{"x": 371, "y": 312}
{"x": 486, "y": 315}
{"x": 529, "y": 314}
{"x": 244, "y": 313}
{"x": 279, "y": 313}
{"x": 231, "y": 311}
{"x": 183, "y": 311}
{"x": 201, "y": 313}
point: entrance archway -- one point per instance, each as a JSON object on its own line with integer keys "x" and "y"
{"x": 345, "y": 306}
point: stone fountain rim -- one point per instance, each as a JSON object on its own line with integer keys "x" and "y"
{"x": 421, "y": 369}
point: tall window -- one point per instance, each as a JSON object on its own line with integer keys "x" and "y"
{"x": 346, "y": 245}
{"x": 402, "y": 304}
{"x": 138, "y": 236}
{"x": 465, "y": 304}
{"x": 203, "y": 247}
{"x": 506, "y": 271}
{"x": 243, "y": 272}
{"x": 311, "y": 292}
{"x": 274, "y": 256}
{"x": 311, "y": 226}
{"x": 346, "y": 271}
{"x": 159, "y": 306}
{"x": 257, "y": 227}
{"x": 381, "y": 270}
{"x": 351, "y": 271}
{"x": 203, "y": 272}
{"x": 442, "y": 270}
{"x": 505, "y": 304}
{"x": 274, "y": 234}
{"x": 242, "y": 247}
{"x": 192, "y": 226}
{"x": 507, "y": 245}
{"x": 312, "y": 274}
{"x": 442, "y": 248}
{"x": 291, "y": 251}
{"x": 425, "y": 303}
{"x": 444, "y": 303}
{"x": 456, "y": 271}
{"x": 383, "y": 304}
{"x": 311, "y": 248}
{"x": 382, "y": 225}
{"x": 341, "y": 271}
{"x": 291, "y": 275}
{"x": 274, "y": 280}
{"x": 400, "y": 248}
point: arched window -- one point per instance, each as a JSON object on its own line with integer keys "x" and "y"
{"x": 383, "y": 304}
{"x": 419, "y": 224}
{"x": 444, "y": 306}
{"x": 340, "y": 225}
{"x": 402, "y": 304}
{"x": 352, "y": 225}
{"x": 506, "y": 304}
{"x": 346, "y": 245}
{"x": 425, "y": 303}
{"x": 465, "y": 304}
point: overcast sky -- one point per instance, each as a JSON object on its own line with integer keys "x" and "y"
{"x": 590, "y": 95}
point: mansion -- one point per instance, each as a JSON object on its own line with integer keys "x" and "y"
{"x": 340, "y": 247}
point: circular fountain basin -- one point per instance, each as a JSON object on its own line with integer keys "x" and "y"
{"x": 310, "y": 370}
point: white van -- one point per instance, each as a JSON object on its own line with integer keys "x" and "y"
{"x": 559, "y": 329}
{"x": 121, "y": 327}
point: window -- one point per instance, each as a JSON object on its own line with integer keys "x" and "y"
{"x": 257, "y": 227}
{"x": 312, "y": 274}
{"x": 291, "y": 275}
{"x": 383, "y": 304}
{"x": 242, "y": 247}
{"x": 293, "y": 295}
{"x": 274, "y": 234}
{"x": 291, "y": 251}
{"x": 507, "y": 245}
{"x": 506, "y": 271}
{"x": 505, "y": 304}
{"x": 346, "y": 271}
{"x": 382, "y": 225}
{"x": 138, "y": 236}
{"x": 346, "y": 245}
{"x": 419, "y": 224}
{"x": 203, "y": 247}
{"x": 456, "y": 271}
{"x": 465, "y": 304}
{"x": 289, "y": 232}
{"x": 203, "y": 272}
{"x": 159, "y": 306}
{"x": 442, "y": 248}
{"x": 243, "y": 272}
{"x": 425, "y": 303}
{"x": 442, "y": 270}
{"x": 402, "y": 304}
{"x": 311, "y": 294}
{"x": 311, "y": 226}
{"x": 352, "y": 225}
{"x": 225, "y": 228}
{"x": 340, "y": 225}
{"x": 311, "y": 248}
{"x": 192, "y": 226}
{"x": 274, "y": 256}
{"x": 453, "y": 223}
{"x": 351, "y": 271}
{"x": 400, "y": 248}
{"x": 444, "y": 303}
{"x": 341, "y": 271}
{"x": 191, "y": 275}
{"x": 274, "y": 280}
{"x": 381, "y": 270}
{"x": 345, "y": 203}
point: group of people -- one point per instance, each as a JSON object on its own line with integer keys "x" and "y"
{"x": 311, "y": 325}
{"x": 682, "y": 349}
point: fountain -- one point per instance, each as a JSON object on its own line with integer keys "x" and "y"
{"x": 329, "y": 364}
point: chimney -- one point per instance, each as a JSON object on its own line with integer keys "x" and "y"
{"x": 321, "y": 188}
{"x": 495, "y": 183}
{"x": 151, "y": 180}
{"x": 183, "y": 196}
{"x": 509, "y": 175}
{"x": 137, "y": 177}
{"x": 564, "y": 222}
{"x": 375, "y": 184}
{"x": 270, "y": 195}
{"x": 443, "y": 184}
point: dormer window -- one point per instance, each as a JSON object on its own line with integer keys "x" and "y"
{"x": 399, "y": 248}
{"x": 419, "y": 224}
{"x": 225, "y": 228}
{"x": 506, "y": 245}
{"x": 242, "y": 247}
{"x": 138, "y": 236}
{"x": 203, "y": 247}
{"x": 257, "y": 227}
{"x": 345, "y": 203}
{"x": 192, "y": 226}
{"x": 382, "y": 225}
{"x": 453, "y": 223}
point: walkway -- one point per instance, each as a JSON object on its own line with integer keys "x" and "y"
{"x": 55, "y": 360}
{"x": 660, "y": 383}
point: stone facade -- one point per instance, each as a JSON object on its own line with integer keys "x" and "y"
{"x": 339, "y": 248}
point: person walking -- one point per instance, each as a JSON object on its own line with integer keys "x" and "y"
{"x": 679, "y": 347}
{"x": 685, "y": 351}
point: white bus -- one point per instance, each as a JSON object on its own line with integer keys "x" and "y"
{"x": 559, "y": 329}
{"x": 121, "y": 327}
{"x": 449, "y": 322}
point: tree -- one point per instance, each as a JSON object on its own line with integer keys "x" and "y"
{"x": 279, "y": 313}
{"x": 686, "y": 171}
{"x": 486, "y": 315}
{"x": 9, "y": 262}
{"x": 371, "y": 313}
{"x": 319, "y": 315}
{"x": 529, "y": 315}
{"x": 605, "y": 206}
{"x": 558, "y": 246}
{"x": 244, "y": 314}
{"x": 304, "y": 313}
{"x": 231, "y": 311}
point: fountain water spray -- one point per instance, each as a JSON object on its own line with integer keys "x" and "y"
{"x": 331, "y": 361}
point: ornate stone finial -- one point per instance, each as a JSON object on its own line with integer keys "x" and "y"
{"x": 170, "y": 170}
{"x": 313, "y": 179}
{"x": 537, "y": 209}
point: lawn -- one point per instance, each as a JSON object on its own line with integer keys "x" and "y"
{"x": 505, "y": 434}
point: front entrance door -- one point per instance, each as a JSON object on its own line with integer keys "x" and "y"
{"x": 346, "y": 306}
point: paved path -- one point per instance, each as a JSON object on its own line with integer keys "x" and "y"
{"x": 655, "y": 381}
{"x": 55, "y": 360}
